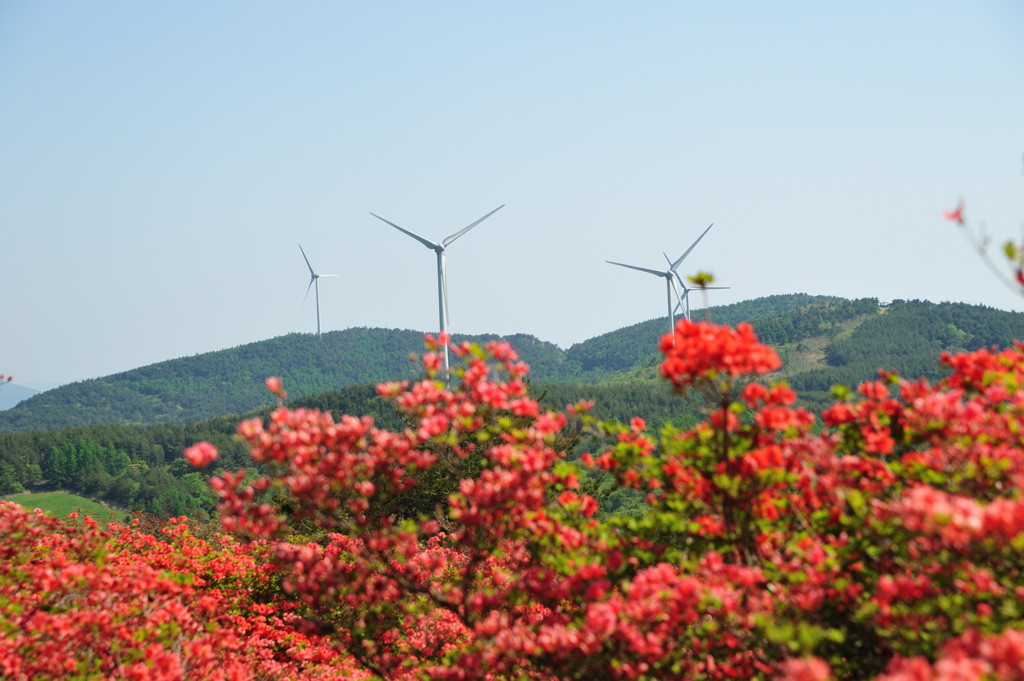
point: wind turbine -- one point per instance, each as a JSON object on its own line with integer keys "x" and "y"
{"x": 670, "y": 285}
{"x": 670, "y": 276}
{"x": 674, "y": 267}
{"x": 687, "y": 289}
{"x": 313, "y": 279}
{"x": 442, "y": 277}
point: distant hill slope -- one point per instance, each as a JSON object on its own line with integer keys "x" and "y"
{"x": 231, "y": 381}
{"x": 909, "y": 338}
{"x": 637, "y": 345}
{"x": 12, "y": 393}
{"x": 822, "y": 339}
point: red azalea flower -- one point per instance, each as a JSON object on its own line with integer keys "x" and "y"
{"x": 274, "y": 384}
{"x": 201, "y": 455}
{"x": 708, "y": 351}
{"x": 956, "y": 215}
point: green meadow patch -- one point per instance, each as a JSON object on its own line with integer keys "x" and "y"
{"x": 63, "y": 504}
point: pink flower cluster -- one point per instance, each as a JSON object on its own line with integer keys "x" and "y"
{"x": 706, "y": 351}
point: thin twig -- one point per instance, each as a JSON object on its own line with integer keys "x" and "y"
{"x": 982, "y": 248}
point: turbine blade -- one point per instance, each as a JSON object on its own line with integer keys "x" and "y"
{"x": 634, "y": 267}
{"x": 311, "y": 272}
{"x": 676, "y": 289}
{"x": 453, "y": 237}
{"x": 307, "y": 291}
{"x": 681, "y": 282}
{"x": 429, "y": 244}
{"x": 327, "y": 275}
{"x": 683, "y": 256}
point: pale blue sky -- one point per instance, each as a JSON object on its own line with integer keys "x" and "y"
{"x": 160, "y": 162}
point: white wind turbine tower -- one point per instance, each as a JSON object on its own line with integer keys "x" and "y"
{"x": 670, "y": 275}
{"x": 314, "y": 279}
{"x": 442, "y": 277}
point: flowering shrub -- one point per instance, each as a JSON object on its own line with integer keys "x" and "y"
{"x": 77, "y": 601}
{"x": 772, "y": 546}
{"x": 883, "y": 540}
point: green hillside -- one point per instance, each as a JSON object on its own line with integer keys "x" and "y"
{"x": 231, "y": 381}
{"x": 822, "y": 340}
{"x": 909, "y": 337}
{"x": 637, "y": 345}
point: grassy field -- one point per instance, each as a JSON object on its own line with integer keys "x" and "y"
{"x": 61, "y": 504}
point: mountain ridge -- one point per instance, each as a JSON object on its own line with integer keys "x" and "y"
{"x": 849, "y": 339}
{"x": 231, "y": 381}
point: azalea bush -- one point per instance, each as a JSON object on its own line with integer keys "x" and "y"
{"x": 884, "y": 538}
{"x": 78, "y": 601}
{"x": 881, "y": 539}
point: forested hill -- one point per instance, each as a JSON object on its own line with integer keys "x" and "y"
{"x": 231, "y": 381}
{"x": 909, "y": 338}
{"x": 822, "y": 340}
